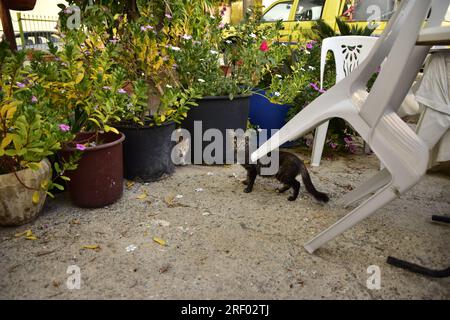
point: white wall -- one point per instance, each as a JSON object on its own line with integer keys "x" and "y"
{"x": 46, "y": 8}
{"x": 267, "y": 3}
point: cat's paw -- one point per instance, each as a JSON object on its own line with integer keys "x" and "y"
{"x": 247, "y": 190}
{"x": 292, "y": 198}
{"x": 245, "y": 182}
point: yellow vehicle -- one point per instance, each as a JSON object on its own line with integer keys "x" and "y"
{"x": 300, "y": 15}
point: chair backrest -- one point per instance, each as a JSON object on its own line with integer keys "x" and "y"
{"x": 348, "y": 51}
{"x": 396, "y": 49}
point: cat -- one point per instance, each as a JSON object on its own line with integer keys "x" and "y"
{"x": 181, "y": 152}
{"x": 290, "y": 166}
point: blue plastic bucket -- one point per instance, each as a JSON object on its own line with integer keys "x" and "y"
{"x": 267, "y": 115}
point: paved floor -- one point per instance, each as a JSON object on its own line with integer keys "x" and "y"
{"x": 223, "y": 244}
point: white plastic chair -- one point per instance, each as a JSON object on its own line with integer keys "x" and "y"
{"x": 373, "y": 115}
{"x": 349, "y": 52}
{"x": 432, "y": 126}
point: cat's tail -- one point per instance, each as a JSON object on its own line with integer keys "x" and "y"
{"x": 320, "y": 196}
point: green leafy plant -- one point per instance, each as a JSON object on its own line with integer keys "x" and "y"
{"x": 226, "y": 60}
{"x": 28, "y": 133}
{"x": 323, "y": 30}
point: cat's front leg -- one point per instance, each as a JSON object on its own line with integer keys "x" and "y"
{"x": 251, "y": 177}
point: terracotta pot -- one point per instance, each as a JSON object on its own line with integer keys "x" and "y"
{"x": 98, "y": 180}
{"x": 16, "y": 205}
{"x": 20, "y": 5}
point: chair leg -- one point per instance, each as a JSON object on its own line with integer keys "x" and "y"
{"x": 327, "y": 106}
{"x": 379, "y": 180}
{"x": 418, "y": 269}
{"x": 320, "y": 136}
{"x": 380, "y": 199}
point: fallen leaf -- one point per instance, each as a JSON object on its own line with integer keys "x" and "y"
{"x": 159, "y": 241}
{"x": 91, "y": 247}
{"x": 43, "y": 253}
{"x": 142, "y": 196}
{"x": 171, "y": 203}
{"x": 164, "y": 268}
{"x": 36, "y": 197}
{"x": 28, "y": 234}
{"x": 130, "y": 184}
{"x": 161, "y": 223}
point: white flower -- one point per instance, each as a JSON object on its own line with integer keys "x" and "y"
{"x": 278, "y": 76}
{"x": 307, "y": 52}
{"x": 186, "y": 37}
{"x": 201, "y": 80}
{"x": 214, "y": 52}
{"x": 302, "y": 69}
{"x": 169, "y": 86}
{"x": 252, "y": 35}
{"x": 311, "y": 68}
{"x": 175, "y": 48}
{"x": 229, "y": 41}
{"x": 276, "y": 94}
{"x": 131, "y": 248}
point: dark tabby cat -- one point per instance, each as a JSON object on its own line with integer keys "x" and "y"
{"x": 290, "y": 166}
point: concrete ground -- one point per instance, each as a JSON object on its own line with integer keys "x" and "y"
{"x": 223, "y": 244}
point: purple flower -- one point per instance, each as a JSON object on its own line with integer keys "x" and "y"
{"x": 352, "y": 148}
{"x": 309, "y": 46}
{"x": 348, "y": 140}
{"x": 34, "y": 99}
{"x": 168, "y": 16}
{"x": 314, "y": 86}
{"x": 80, "y": 147}
{"x": 333, "y": 145}
{"x": 64, "y": 127}
{"x": 20, "y": 84}
{"x": 146, "y": 28}
{"x": 114, "y": 40}
{"x": 121, "y": 91}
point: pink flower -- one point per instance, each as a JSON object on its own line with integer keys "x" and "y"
{"x": 64, "y": 127}
{"x": 34, "y": 99}
{"x": 20, "y": 84}
{"x": 121, "y": 91}
{"x": 264, "y": 46}
{"x": 168, "y": 16}
{"x": 80, "y": 147}
{"x": 314, "y": 86}
{"x": 333, "y": 145}
{"x": 309, "y": 46}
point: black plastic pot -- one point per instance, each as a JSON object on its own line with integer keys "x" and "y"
{"x": 216, "y": 113}
{"x": 147, "y": 151}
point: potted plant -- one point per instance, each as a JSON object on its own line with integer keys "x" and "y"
{"x": 223, "y": 63}
{"x": 157, "y": 101}
{"x": 28, "y": 135}
{"x": 86, "y": 88}
{"x": 20, "y": 5}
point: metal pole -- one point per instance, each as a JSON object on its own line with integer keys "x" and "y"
{"x": 22, "y": 36}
